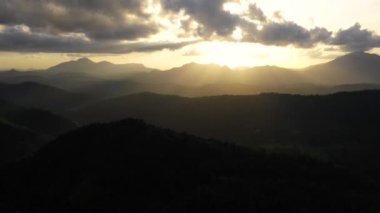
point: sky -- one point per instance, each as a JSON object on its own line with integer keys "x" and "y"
{"x": 36, "y": 34}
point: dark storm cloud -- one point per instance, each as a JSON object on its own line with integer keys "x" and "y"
{"x": 286, "y": 33}
{"x": 20, "y": 39}
{"x": 129, "y": 32}
{"x": 208, "y": 13}
{"x": 91, "y": 17}
{"x": 356, "y": 39}
{"x": 352, "y": 39}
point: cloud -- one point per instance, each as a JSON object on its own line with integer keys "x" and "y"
{"x": 356, "y": 39}
{"x": 123, "y": 19}
{"x": 255, "y": 13}
{"x": 277, "y": 15}
{"x": 213, "y": 19}
{"x": 192, "y": 53}
{"x": 287, "y": 33}
{"x": 21, "y": 39}
{"x": 210, "y": 15}
{"x": 120, "y": 26}
{"x": 129, "y": 32}
{"x": 352, "y": 39}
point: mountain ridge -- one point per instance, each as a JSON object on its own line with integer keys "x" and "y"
{"x": 104, "y": 80}
{"x": 357, "y": 67}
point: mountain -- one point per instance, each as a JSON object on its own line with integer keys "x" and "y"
{"x": 332, "y": 127}
{"x": 104, "y": 70}
{"x": 31, "y": 94}
{"x": 354, "y": 68}
{"x": 188, "y": 75}
{"x": 130, "y": 166}
{"x": 14, "y": 76}
{"x": 17, "y": 142}
{"x": 23, "y": 131}
{"x": 97, "y": 80}
{"x": 104, "y": 80}
{"x": 188, "y": 80}
{"x": 43, "y": 122}
{"x": 272, "y": 77}
{"x": 197, "y": 75}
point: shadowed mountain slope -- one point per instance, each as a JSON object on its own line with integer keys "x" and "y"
{"x": 333, "y": 126}
{"x": 40, "y": 121}
{"x": 31, "y": 94}
{"x": 23, "y": 131}
{"x": 354, "y": 68}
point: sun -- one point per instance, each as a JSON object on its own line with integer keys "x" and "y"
{"x": 224, "y": 53}
{"x": 236, "y": 54}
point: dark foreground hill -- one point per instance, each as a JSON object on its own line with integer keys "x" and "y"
{"x": 129, "y": 166}
{"x": 342, "y": 127}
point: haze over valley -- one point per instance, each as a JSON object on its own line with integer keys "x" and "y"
{"x": 102, "y": 80}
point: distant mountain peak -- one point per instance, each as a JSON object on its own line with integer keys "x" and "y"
{"x": 13, "y": 70}
{"x": 353, "y": 68}
{"x": 84, "y": 60}
{"x": 359, "y": 55}
{"x": 105, "y": 63}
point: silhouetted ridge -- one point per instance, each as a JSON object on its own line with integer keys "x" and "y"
{"x": 359, "y": 56}
{"x": 353, "y": 68}
{"x": 84, "y": 60}
{"x": 67, "y": 66}
{"x": 129, "y": 165}
{"x": 102, "y": 80}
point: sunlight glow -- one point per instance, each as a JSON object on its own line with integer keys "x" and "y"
{"x": 236, "y": 54}
{"x": 237, "y": 34}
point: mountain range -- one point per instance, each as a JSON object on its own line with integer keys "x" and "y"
{"x": 104, "y": 80}
{"x": 306, "y": 151}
